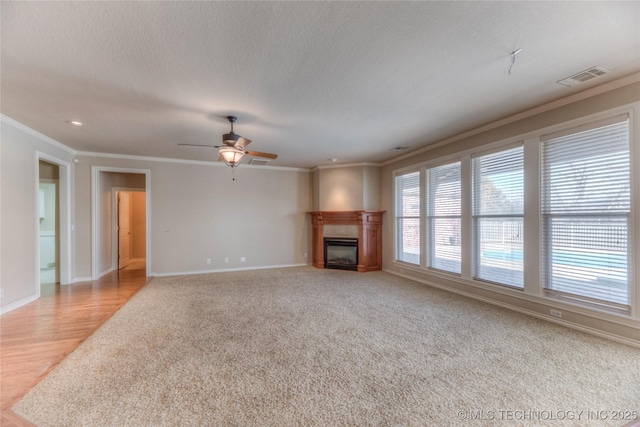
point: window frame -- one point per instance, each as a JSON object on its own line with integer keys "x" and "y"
{"x": 476, "y": 217}
{"x": 546, "y": 265}
{"x": 396, "y": 226}
{"x": 533, "y": 291}
{"x": 430, "y": 219}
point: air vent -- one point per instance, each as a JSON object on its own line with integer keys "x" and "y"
{"x": 583, "y": 76}
{"x": 258, "y": 162}
{"x": 399, "y": 149}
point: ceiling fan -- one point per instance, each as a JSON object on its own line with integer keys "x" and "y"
{"x": 233, "y": 149}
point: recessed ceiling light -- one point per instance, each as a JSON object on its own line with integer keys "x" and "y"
{"x": 75, "y": 123}
{"x": 333, "y": 160}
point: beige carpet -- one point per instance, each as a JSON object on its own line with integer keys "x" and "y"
{"x": 308, "y": 347}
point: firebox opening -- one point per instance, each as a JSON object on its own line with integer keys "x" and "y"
{"x": 341, "y": 253}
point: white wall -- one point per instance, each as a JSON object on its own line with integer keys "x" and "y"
{"x": 49, "y": 229}
{"x": 371, "y": 187}
{"x": 341, "y": 189}
{"x": 48, "y": 222}
{"x": 19, "y": 213}
{"x": 347, "y": 188}
{"x": 197, "y": 213}
{"x": 316, "y": 189}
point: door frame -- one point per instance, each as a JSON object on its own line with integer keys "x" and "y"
{"x": 96, "y": 217}
{"x": 115, "y": 239}
{"x": 64, "y": 212}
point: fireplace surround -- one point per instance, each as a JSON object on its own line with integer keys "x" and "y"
{"x": 369, "y": 236}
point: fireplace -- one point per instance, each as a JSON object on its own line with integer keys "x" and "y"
{"x": 369, "y": 237}
{"x": 341, "y": 253}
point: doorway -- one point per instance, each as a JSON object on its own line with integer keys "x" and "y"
{"x": 106, "y": 182}
{"x": 53, "y": 223}
{"x": 49, "y": 223}
{"x": 130, "y": 239}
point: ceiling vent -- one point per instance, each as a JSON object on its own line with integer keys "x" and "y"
{"x": 259, "y": 162}
{"x": 583, "y": 76}
{"x": 399, "y": 149}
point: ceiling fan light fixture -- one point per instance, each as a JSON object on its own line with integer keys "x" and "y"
{"x": 233, "y": 149}
{"x": 231, "y": 156}
{"x": 230, "y": 138}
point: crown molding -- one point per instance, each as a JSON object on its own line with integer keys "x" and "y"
{"x": 183, "y": 161}
{"x": 570, "y": 99}
{"x": 345, "y": 165}
{"x": 588, "y": 93}
{"x": 42, "y": 137}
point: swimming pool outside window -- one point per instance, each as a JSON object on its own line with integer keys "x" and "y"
{"x": 498, "y": 207}
{"x": 586, "y": 207}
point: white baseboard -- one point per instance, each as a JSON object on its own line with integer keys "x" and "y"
{"x": 81, "y": 279}
{"x": 223, "y": 270}
{"x": 572, "y": 325}
{"x": 107, "y": 271}
{"x": 19, "y": 303}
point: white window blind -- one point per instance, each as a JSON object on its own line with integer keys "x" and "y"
{"x": 407, "y": 217}
{"x": 443, "y": 217}
{"x": 586, "y": 205}
{"x": 497, "y": 205}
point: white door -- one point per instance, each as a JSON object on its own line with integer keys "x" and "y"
{"x": 124, "y": 230}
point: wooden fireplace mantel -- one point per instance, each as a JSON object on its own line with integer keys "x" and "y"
{"x": 369, "y": 236}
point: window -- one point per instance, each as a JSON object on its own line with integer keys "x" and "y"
{"x": 586, "y": 205}
{"x": 443, "y": 217}
{"x": 571, "y": 229}
{"x": 408, "y": 217}
{"x": 497, "y": 205}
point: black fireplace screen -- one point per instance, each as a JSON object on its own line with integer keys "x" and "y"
{"x": 341, "y": 253}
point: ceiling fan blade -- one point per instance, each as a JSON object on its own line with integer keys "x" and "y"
{"x": 242, "y": 142}
{"x": 259, "y": 154}
{"x": 199, "y": 145}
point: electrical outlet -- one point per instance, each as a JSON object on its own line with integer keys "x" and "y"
{"x": 305, "y": 254}
{"x": 1, "y": 293}
{"x": 226, "y": 259}
{"x": 242, "y": 259}
{"x": 555, "y": 313}
{"x": 208, "y": 260}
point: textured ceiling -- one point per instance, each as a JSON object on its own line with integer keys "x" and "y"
{"x": 309, "y": 81}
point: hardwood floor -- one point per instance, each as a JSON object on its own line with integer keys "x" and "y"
{"x": 35, "y": 338}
